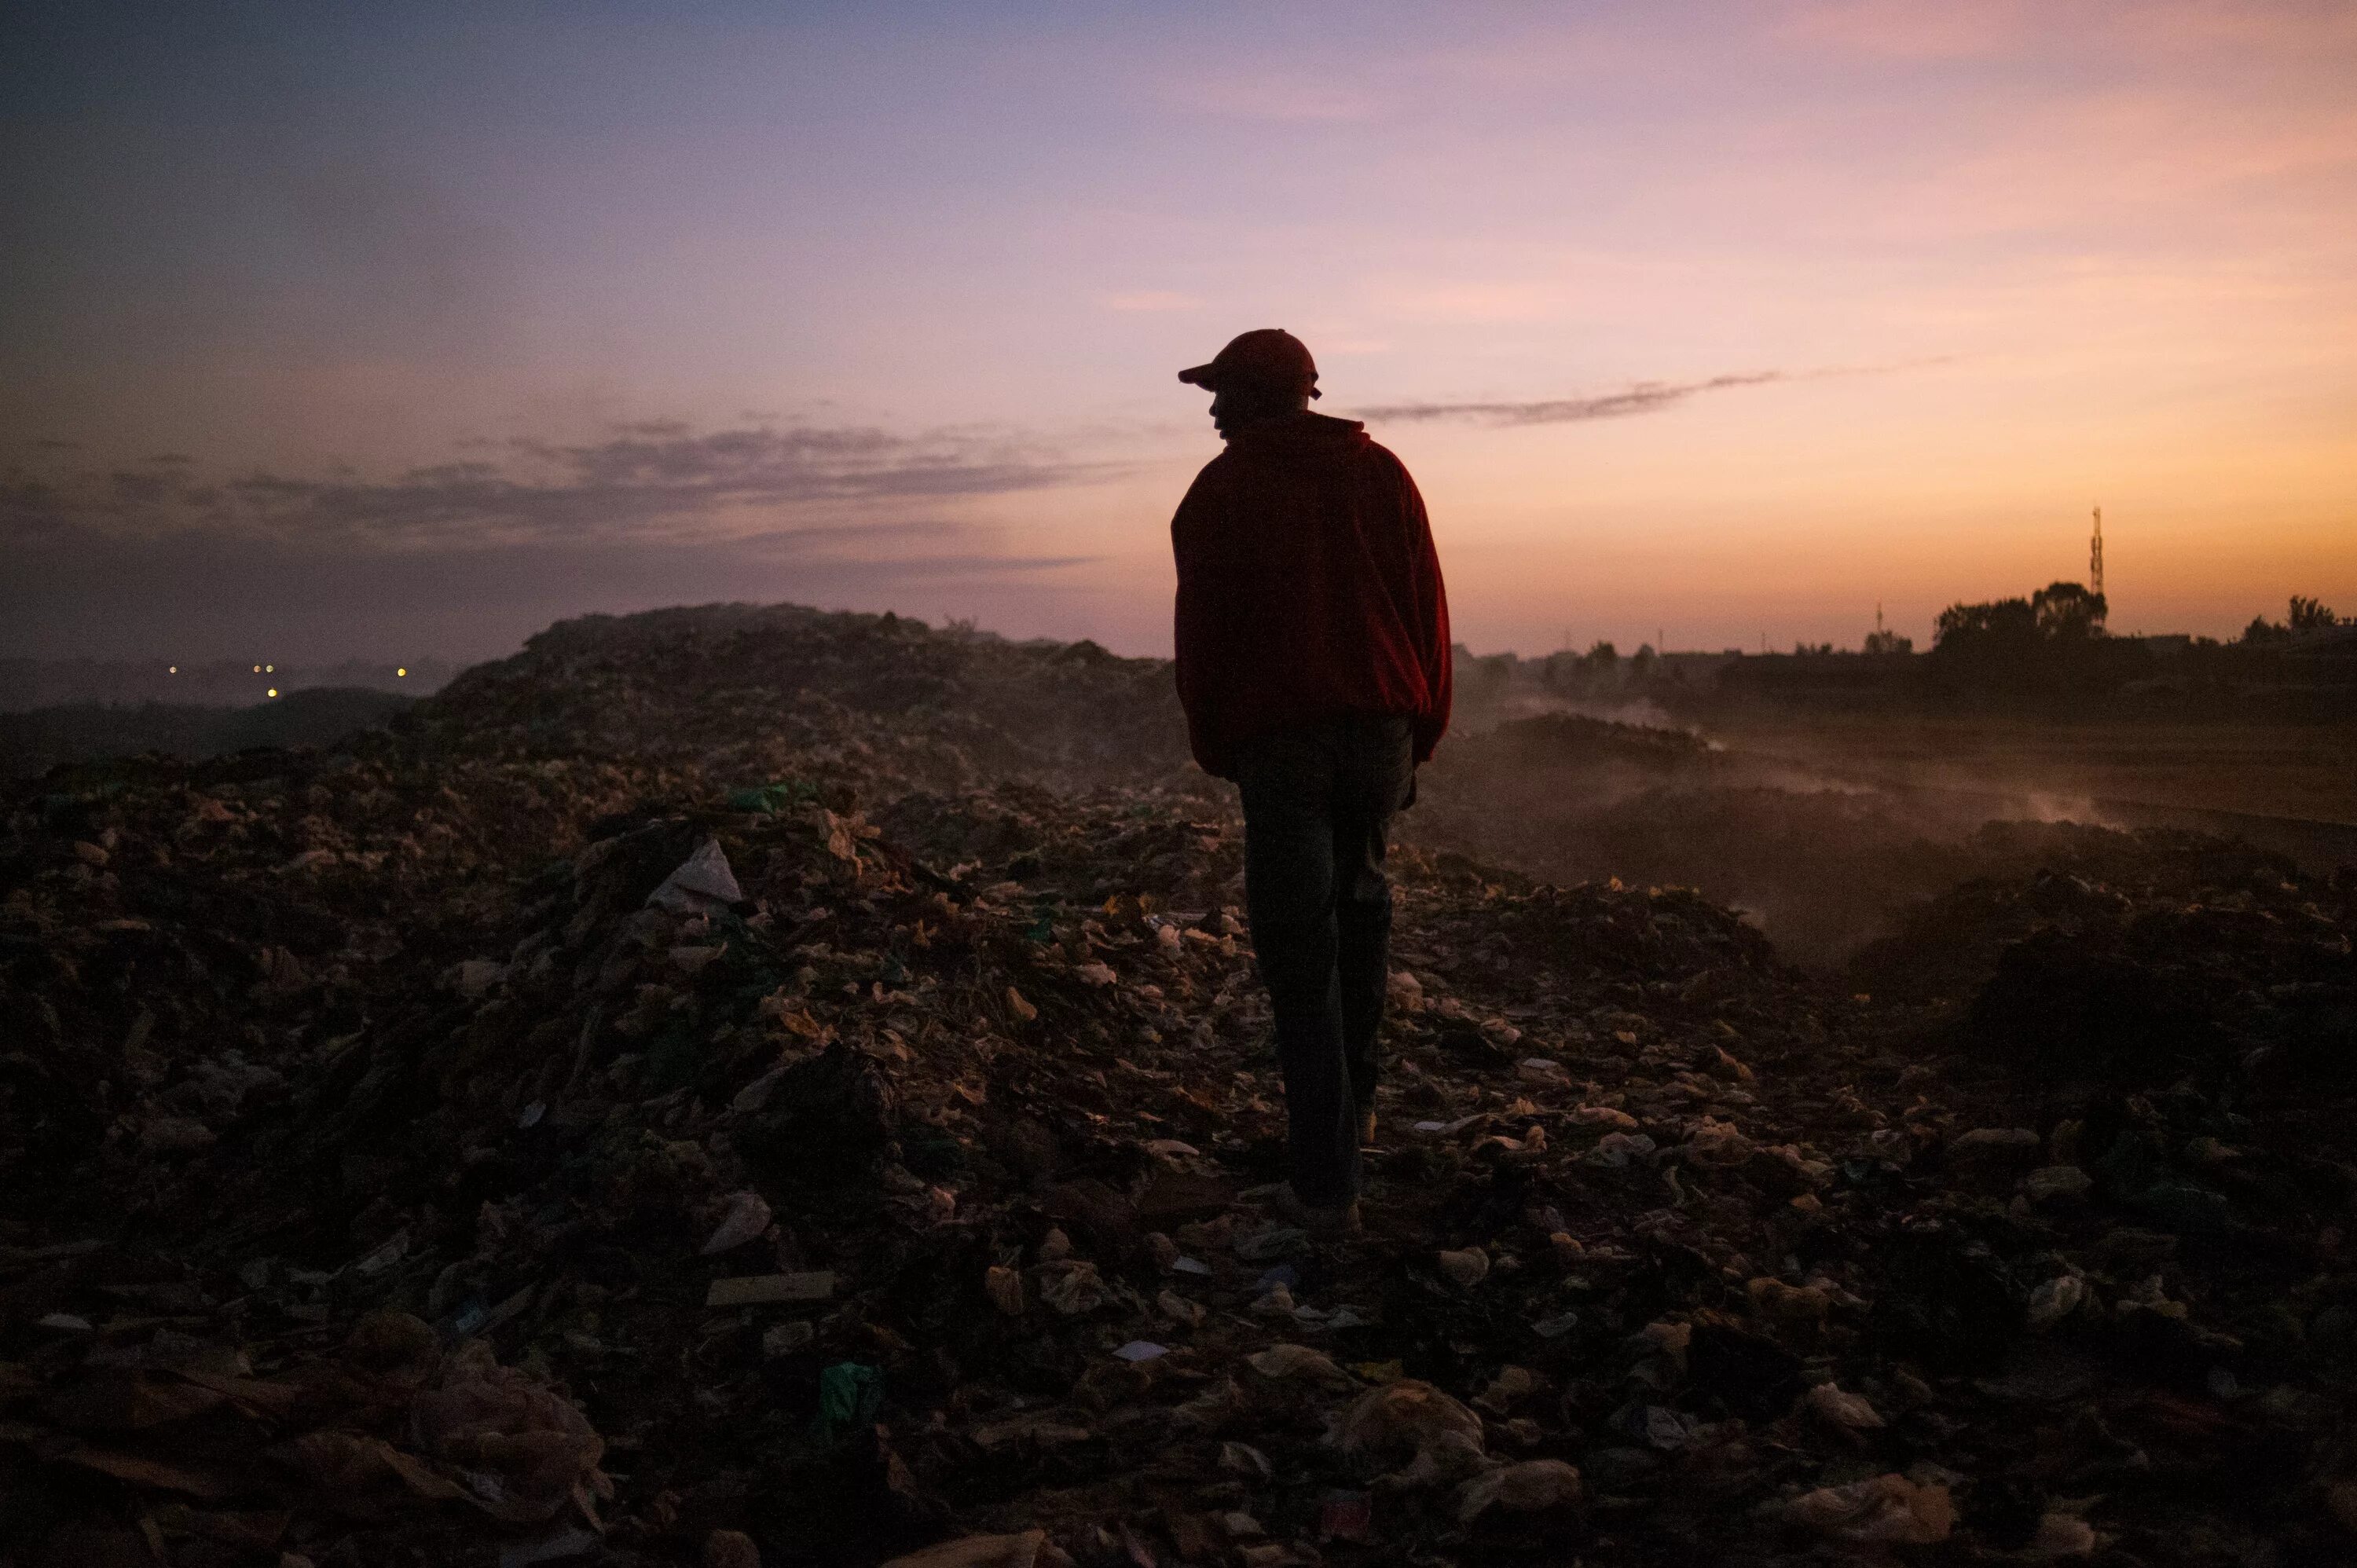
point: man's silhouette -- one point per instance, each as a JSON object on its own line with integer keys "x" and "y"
{"x": 1313, "y": 664}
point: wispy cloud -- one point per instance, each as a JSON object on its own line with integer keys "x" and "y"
{"x": 1643, "y": 397}
{"x": 1639, "y": 397}
{"x": 652, "y": 479}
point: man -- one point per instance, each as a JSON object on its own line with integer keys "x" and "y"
{"x": 1313, "y": 664}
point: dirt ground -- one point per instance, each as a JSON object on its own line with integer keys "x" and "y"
{"x": 2277, "y": 771}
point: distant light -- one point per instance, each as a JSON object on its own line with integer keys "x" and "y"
{"x": 274, "y": 691}
{"x": 270, "y": 667}
{"x": 175, "y": 670}
{"x": 403, "y": 671}
{"x": 257, "y": 669}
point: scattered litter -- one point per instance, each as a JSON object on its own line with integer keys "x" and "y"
{"x": 764, "y": 1290}
{"x": 747, "y": 1217}
{"x": 1530, "y": 1486}
{"x": 702, "y": 883}
{"x": 956, "y": 1028}
{"x": 1885, "y": 1511}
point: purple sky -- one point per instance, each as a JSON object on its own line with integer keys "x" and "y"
{"x": 401, "y": 331}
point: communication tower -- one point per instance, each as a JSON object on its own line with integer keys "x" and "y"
{"x": 2095, "y": 557}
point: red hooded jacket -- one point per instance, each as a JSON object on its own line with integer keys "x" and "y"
{"x": 1307, "y": 587}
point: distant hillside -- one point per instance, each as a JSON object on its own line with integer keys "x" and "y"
{"x": 32, "y": 743}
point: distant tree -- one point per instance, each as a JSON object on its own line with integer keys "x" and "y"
{"x": 2261, "y": 629}
{"x": 1602, "y": 657}
{"x": 1641, "y": 663}
{"x": 2308, "y": 615}
{"x": 1995, "y": 646}
{"x": 1999, "y": 623}
{"x": 2067, "y": 612}
{"x": 1805, "y": 650}
{"x": 1889, "y": 642}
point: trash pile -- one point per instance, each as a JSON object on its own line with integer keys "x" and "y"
{"x": 815, "y": 1140}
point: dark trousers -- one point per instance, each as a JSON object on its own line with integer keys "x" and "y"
{"x": 1317, "y": 802}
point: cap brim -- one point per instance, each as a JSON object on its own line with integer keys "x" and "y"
{"x": 1200, "y": 376}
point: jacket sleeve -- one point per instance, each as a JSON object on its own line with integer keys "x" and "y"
{"x": 1431, "y": 626}
{"x": 1199, "y": 633}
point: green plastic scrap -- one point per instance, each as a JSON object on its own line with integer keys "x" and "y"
{"x": 849, "y": 1395}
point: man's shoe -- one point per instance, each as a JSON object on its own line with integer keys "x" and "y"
{"x": 1339, "y": 1219}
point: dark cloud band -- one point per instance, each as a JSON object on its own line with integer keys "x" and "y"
{"x": 649, "y": 480}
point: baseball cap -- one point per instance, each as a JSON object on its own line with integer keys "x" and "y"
{"x": 1270, "y": 356}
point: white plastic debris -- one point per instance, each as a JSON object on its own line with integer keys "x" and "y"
{"x": 747, "y": 1217}
{"x": 702, "y": 884}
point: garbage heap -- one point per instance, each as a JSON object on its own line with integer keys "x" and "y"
{"x": 791, "y": 1135}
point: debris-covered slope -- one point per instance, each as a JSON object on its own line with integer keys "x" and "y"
{"x": 832, "y": 1134}
{"x": 889, "y": 698}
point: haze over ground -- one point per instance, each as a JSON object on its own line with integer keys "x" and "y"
{"x": 382, "y": 334}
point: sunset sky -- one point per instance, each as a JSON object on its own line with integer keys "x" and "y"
{"x": 402, "y": 330}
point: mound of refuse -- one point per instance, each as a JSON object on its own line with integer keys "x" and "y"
{"x": 736, "y": 687}
{"x": 662, "y": 1142}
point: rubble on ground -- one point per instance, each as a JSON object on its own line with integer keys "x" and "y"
{"x": 765, "y": 1087}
